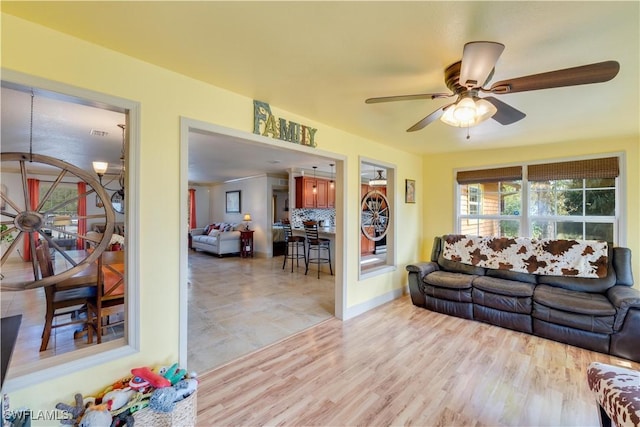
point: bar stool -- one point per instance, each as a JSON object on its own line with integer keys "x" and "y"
{"x": 317, "y": 244}
{"x": 293, "y": 244}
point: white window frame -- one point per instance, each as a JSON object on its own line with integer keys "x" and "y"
{"x": 74, "y": 361}
{"x": 619, "y": 219}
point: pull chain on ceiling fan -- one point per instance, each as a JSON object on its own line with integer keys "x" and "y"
{"x": 468, "y": 77}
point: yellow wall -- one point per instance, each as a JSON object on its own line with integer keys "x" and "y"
{"x": 164, "y": 97}
{"x": 439, "y": 172}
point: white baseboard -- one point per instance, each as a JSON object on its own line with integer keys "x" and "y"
{"x": 363, "y": 307}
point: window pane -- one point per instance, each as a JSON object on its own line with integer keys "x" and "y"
{"x": 600, "y": 183}
{"x": 542, "y": 203}
{"x": 491, "y": 227}
{"x": 469, "y": 226}
{"x": 510, "y": 204}
{"x": 542, "y": 229}
{"x": 599, "y": 231}
{"x": 566, "y": 184}
{"x": 509, "y": 228}
{"x": 569, "y": 230}
{"x": 571, "y": 202}
{"x": 601, "y": 202}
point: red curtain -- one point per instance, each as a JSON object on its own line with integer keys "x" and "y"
{"x": 33, "y": 188}
{"x": 192, "y": 208}
{"x": 82, "y": 213}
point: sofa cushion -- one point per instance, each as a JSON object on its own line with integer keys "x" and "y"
{"x": 503, "y": 287}
{"x": 573, "y": 302}
{"x": 208, "y": 240}
{"x": 446, "y": 279}
{"x": 507, "y": 303}
{"x": 585, "y": 322}
{"x": 213, "y": 232}
{"x": 458, "y": 267}
{"x": 512, "y": 275}
{"x": 449, "y": 294}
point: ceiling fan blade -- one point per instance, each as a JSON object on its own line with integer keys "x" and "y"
{"x": 408, "y": 97}
{"x": 585, "y": 74}
{"x": 429, "y": 119}
{"x": 478, "y": 60}
{"x": 506, "y": 114}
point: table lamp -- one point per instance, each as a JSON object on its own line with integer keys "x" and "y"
{"x": 247, "y": 220}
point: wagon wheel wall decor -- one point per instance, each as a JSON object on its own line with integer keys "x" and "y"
{"x": 31, "y": 224}
{"x": 375, "y": 215}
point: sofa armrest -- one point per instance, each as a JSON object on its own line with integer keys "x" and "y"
{"x": 229, "y": 235}
{"x": 416, "y": 273}
{"x": 422, "y": 268}
{"x": 623, "y": 298}
{"x": 197, "y": 231}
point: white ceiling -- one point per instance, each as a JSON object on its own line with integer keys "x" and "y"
{"x": 323, "y": 59}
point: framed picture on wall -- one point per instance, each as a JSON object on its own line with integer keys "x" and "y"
{"x": 233, "y": 202}
{"x": 409, "y": 191}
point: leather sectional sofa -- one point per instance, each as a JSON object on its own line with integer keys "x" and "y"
{"x": 600, "y": 314}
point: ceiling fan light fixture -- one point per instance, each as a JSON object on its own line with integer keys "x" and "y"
{"x": 468, "y": 112}
{"x": 465, "y": 111}
{"x": 484, "y": 110}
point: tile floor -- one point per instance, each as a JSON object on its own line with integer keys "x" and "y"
{"x": 235, "y": 305}
{"x": 238, "y": 305}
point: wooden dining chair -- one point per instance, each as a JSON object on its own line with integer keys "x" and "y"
{"x": 71, "y": 301}
{"x": 109, "y": 299}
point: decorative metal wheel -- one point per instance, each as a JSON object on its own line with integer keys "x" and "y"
{"x": 375, "y": 215}
{"x": 32, "y": 224}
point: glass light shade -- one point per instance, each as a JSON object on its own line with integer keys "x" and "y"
{"x": 247, "y": 217}
{"x": 465, "y": 110}
{"x": 484, "y": 110}
{"x": 100, "y": 168}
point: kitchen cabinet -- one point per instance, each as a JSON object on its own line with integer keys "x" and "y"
{"x": 305, "y": 198}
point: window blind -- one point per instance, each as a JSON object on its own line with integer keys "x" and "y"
{"x": 512, "y": 173}
{"x": 580, "y": 169}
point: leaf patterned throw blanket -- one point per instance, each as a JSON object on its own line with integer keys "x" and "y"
{"x": 575, "y": 258}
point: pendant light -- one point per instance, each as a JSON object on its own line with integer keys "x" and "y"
{"x": 315, "y": 187}
{"x": 332, "y": 184}
{"x": 379, "y": 180}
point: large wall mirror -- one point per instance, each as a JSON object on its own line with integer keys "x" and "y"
{"x": 377, "y": 216}
{"x": 67, "y": 254}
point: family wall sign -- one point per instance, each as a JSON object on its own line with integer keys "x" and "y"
{"x": 266, "y": 124}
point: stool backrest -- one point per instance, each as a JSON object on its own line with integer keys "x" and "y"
{"x": 286, "y": 226}
{"x": 311, "y": 229}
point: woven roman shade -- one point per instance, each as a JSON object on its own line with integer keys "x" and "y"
{"x": 580, "y": 169}
{"x": 512, "y": 173}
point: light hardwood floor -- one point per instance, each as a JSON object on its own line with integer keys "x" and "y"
{"x": 403, "y": 365}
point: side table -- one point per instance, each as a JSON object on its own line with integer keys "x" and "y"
{"x": 246, "y": 243}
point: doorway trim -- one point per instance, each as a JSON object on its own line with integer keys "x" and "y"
{"x": 187, "y": 125}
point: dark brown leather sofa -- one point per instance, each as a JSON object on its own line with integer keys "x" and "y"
{"x": 600, "y": 314}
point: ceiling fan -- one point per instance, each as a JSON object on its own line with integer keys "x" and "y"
{"x": 467, "y": 78}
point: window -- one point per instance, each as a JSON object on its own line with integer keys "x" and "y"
{"x": 490, "y": 202}
{"x": 568, "y": 200}
{"x": 377, "y": 228}
{"x": 64, "y": 202}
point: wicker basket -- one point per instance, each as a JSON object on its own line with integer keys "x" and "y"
{"x": 184, "y": 414}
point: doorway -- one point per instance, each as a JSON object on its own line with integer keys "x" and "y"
{"x": 288, "y": 302}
